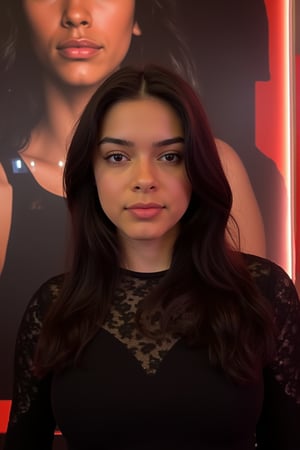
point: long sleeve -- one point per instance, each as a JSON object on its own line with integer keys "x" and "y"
{"x": 279, "y": 424}
{"x": 31, "y": 423}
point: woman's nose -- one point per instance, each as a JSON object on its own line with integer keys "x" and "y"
{"x": 144, "y": 178}
{"x": 76, "y": 13}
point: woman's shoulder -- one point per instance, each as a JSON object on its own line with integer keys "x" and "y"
{"x": 46, "y": 294}
{"x": 5, "y": 214}
{"x": 3, "y": 176}
{"x": 261, "y": 268}
{"x": 273, "y": 281}
{"x": 227, "y": 153}
{"x": 51, "y": 288}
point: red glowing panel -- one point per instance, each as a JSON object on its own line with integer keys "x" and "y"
{"x": 4, "y": 413}
{"x": 274, "y": 119}
{"x": 298, "y": 165}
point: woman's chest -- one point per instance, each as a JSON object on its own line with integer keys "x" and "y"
{"x": 112, "y": 401}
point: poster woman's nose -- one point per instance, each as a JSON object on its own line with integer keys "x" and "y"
{"x": 76, "y": 13}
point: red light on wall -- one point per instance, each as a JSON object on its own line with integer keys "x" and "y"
{"x": 274, "y": 110}
{"x": 4, "y": 414}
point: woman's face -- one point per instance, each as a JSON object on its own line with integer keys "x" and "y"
{"x": 140, "y": 173}
{"x": 81, "y": 42}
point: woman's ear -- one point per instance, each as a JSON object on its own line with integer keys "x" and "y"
{"x": 136, "y": 30}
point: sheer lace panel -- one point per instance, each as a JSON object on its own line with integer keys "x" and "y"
{"x": 287, "y": 313}
{"x": 282, "y": 293}
{"x": 26, "y": 385}
{"x": 121, "y": 321}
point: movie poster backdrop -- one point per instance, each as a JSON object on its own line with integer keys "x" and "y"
{"x": 232, "y": 47}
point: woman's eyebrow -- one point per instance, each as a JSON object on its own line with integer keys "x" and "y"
{"x": 124, "y": 142}
{"x": 169, "y": 141}
{"x": 117, "y": 141}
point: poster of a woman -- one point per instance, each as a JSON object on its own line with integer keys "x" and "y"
{"x": 54, "y": 56}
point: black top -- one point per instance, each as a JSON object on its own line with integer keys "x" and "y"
{"x": 132, "y": 394}
{"x": 34, "y": 253}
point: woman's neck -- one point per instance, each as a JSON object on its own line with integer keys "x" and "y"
{"x": 46, "y": 151}
{"x": 147, "y": 255}
{"x": 52, "y": 136}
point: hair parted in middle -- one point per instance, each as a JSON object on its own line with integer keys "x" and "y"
{"x": 211, "y": 200}
{"x": 207, "y": 280}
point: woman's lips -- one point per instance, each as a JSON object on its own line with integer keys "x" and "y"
{"x": 145, "y": 211}
{"x": 78, "y": 49}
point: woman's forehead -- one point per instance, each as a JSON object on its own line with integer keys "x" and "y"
{"x": 146, "y": 117}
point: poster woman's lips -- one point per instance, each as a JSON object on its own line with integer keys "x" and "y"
{"x": 145, "y": 210}
{"x": 78, "y": 48}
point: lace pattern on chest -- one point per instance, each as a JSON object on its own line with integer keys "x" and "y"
{"x": 121, "y": 323}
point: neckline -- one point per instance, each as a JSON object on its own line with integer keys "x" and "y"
{"x": 143, "y": 275}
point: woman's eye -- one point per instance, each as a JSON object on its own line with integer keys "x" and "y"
{"x": 116, "y": 158}
{"x": 171, "y": 157}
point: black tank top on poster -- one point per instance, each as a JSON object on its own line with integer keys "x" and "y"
{"x": 35, "y": 252}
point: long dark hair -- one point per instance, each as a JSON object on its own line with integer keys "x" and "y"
{"x": 21, "y": 92}
{"x": 20, "y": 81}
{"x": 206, "y": 296}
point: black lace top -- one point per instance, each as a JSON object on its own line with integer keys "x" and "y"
{"x": 132, "y": 393}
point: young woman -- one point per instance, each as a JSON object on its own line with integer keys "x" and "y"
{"x": 161, "y": 335}
{"x": 55, "y": 56}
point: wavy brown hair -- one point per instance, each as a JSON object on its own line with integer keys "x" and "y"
{"x": 207, "y": 295}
